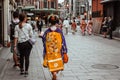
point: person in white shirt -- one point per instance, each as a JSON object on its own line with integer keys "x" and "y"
{"x": 66, "y": 25}
{"x": 23, "y": 32}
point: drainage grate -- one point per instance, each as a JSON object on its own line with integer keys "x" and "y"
{"x": 105, "y": 66}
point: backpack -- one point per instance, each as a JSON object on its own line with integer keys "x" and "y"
{"x": 12, "y": 29}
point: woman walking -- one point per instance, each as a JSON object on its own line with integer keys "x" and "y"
{"x": 89, "y": 26}
{"x": 73, "y": 27}
{"x": 54, "y": 48}
{"x": 83, "y": 26}
{"x": 23, "y": 32}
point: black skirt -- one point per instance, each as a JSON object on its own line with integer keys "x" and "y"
{"x": 104, "y": 29}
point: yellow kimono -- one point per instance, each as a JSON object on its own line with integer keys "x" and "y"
{"x": 53, "y": 51}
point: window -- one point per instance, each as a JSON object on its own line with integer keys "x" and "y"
{"x": 52, "y": 5}
{"x": 45, "y": 3}
{"x": 96, "y": 14}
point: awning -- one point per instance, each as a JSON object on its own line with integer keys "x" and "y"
{"x": 30, "y": 14}
{"x": 28, "y": 7}
{"x": 106, "y": 1}
{"x": 45, "y": 10}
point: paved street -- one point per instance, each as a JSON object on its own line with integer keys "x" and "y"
{"x": 90, "y": 58}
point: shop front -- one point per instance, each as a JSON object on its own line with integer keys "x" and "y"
{"x": 112, "y": 8}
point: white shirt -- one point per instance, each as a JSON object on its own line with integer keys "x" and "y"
{"x": 66, "y": 23}
{"x": 23, "y": 34}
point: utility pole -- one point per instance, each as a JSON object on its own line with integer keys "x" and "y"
{"x": 87, "y": 9}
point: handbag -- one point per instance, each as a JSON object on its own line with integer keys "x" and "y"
{"x": 32, "y": 41}
{"x": 65, "y": 58}
{"x": 8, "y": 44}
{"x": 104, "y": 26}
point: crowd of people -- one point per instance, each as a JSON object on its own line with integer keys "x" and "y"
{"x": 21, "y": 31}
{"x": 54, "y": 43}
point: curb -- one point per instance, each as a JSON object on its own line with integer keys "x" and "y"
{"x": 114, "y": 38}
{"x": 5, "y": 57}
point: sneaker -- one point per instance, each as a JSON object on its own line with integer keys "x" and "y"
{"x": 26, "y": 73}
{"x": 17, "y": 67}
{"x": 22, "y": 72}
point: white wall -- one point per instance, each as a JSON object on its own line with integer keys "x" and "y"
{"x": 6, "y": 21}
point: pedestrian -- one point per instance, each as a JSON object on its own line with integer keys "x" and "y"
{"x": 104, "y": 27}
{"x": 66, "y": 25}
{"x": 73, "y": 26}
{"x": 111, "y": 27}
{"x": 83, "y": 26}
{"x": 13, "y": 23}
{"x": 60, "y": 23}
{"x": 23, "y": 32}
{"x": 39, "y": 25}
{"x": 54, "y": 48}
{"x": 33, "y": 23}
{"x": 89, "y": 26}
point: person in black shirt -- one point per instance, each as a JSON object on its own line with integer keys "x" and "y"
{"x": 39, "y": 24}
{"x": 110, "y": 27}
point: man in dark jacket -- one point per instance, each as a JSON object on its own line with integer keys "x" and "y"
{"x": 110, "y": 27}
{"x": 39, "y": 24}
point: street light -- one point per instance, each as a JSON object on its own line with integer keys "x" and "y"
{"x": 67, "y": 6}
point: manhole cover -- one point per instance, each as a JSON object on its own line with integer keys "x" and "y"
{"x": 105, "y": 66}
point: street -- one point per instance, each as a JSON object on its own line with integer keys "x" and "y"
{"x": 90, "y": 58}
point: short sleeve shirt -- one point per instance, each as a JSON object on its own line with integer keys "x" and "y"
{"x": 24, "y": 33}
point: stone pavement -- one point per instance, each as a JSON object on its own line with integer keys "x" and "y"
{"x": 35, "y": 71}
{"x": 90, "y": 58}
{"x": 4, "y": 56}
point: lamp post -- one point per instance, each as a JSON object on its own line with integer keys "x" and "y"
{"x": 66, "y": 9}
{"x": 87, "y": 9}
{"x": 67, "y": 6}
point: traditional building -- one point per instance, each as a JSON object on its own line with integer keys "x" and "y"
{"x": 105, "y": 8}
{"x": 97, "y": 15}
{"x": 39, "y": 7}
{"x": 6, "y": 9}
{"x": 79, "y": 8}
{"x": 112, "y": 8}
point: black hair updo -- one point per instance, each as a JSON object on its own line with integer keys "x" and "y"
{"x": 53, "y": 19}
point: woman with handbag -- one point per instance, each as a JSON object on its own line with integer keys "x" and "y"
{"x": 105, "y": 27}
{"x": 54, "y": 48}
{"x": 23, "y": 32}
